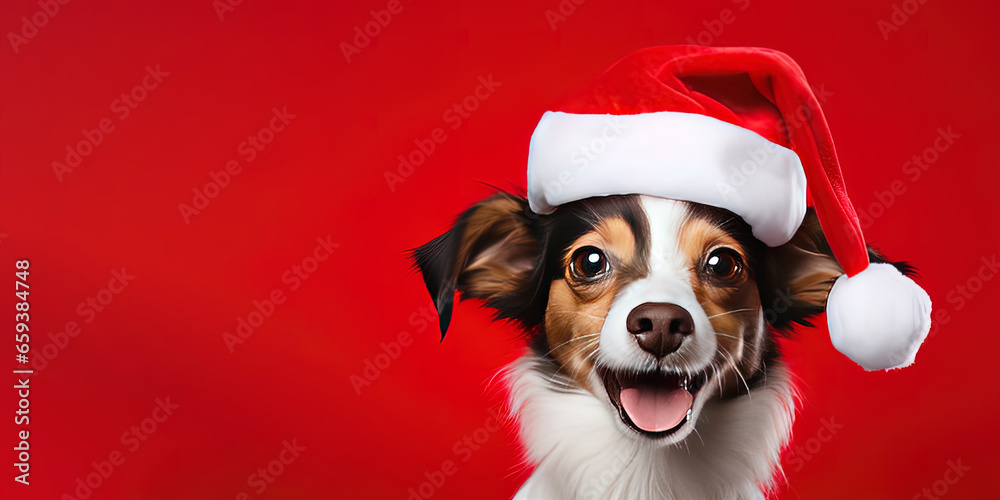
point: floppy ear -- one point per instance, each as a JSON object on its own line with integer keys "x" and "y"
{"x": 798, "y": 276}
{"x": 488, "y": 254}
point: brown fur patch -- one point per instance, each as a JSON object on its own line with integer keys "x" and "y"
{"x": 576, "y": 310}
{"x": 497, "y": 249}
{"x": 808, "y": 265}
{"x": 732, "y": 307}
{"x": 573, "y": 328}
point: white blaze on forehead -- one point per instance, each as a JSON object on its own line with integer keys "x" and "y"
{"x": 666, "y": 219}
{"x": 668, "y": 281}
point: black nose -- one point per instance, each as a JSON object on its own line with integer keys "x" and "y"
{"x": 660, "y": 328}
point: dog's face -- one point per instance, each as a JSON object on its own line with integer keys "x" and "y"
{"x": 654, "y": 306}
{"x": 654, "y": 314}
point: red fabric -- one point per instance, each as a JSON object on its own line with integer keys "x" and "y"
{"x": 758, "y": 89}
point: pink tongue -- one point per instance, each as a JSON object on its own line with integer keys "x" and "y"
{"x": 656, "y": 409}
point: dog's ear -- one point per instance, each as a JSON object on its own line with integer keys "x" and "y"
{"x": 488, "y": 254}
{"x": 797, "y": 276}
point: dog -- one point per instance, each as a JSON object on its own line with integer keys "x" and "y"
{"x": 681, "y": 214}
{"x": 653, "y": 370}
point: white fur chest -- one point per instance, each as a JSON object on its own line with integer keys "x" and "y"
{"x": 582, "y": 452}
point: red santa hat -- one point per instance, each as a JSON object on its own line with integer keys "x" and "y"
{"x": 740, "y": 129}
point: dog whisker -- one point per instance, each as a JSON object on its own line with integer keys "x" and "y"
{"x": 718, "y": 374}
{"x": 563, "y": 383}
{"x": 570, "y": 341}
{"x": 501, "y": 373}
{"x": 592, "y": 354}
{"x": 576, "y": 312}
{"x": 593, "y": 344}
{"x": 731, "y": 312}
{"x": 695, "y": 429}
{"x": 586, "y": 340}
{"x": 732, "y": 362}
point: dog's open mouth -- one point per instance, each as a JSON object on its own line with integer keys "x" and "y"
{"x": 655, "y": 404}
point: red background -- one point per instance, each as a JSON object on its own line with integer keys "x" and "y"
{"x": 162, "y": 336}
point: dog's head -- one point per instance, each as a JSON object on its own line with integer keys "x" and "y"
{"x": 654, "y": 306}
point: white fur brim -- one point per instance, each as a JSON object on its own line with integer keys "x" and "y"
{"x": 682, "y": 156}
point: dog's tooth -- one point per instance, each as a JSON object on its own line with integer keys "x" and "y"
{"x": 685, "y": 381}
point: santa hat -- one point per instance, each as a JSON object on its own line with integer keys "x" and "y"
{"x": 740, "y": 129}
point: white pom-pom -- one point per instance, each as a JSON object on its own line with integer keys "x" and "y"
{"x": 878, "y": 317}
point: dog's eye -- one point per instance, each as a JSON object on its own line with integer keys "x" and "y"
{"x": 588, "y": 264}
{"x": 724, "y": 263}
